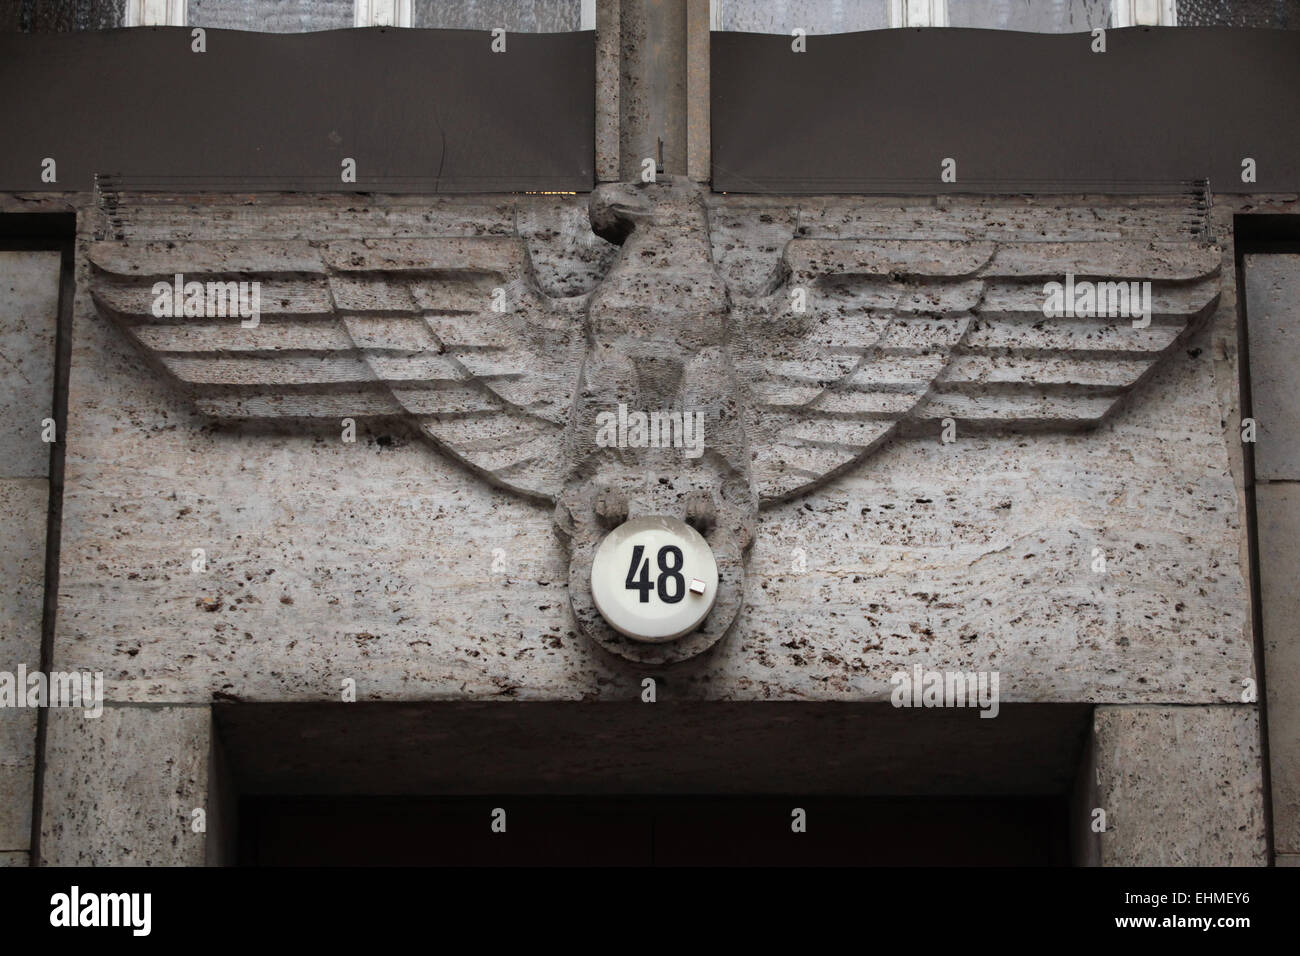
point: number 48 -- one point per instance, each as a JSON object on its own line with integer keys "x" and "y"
{"x": 671, "y": 585}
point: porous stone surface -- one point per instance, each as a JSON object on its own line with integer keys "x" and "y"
{"x": 120, "y": 789}
{"x": 29, "y": 291}
{"x": 1181, "y": 786}
{"x": 15, "y": 859}
{"x": 608, "y": 83}
{"x": 384, "y": 562}
{"x": 24, "y": 506}
{"x": 17, "y": 760}
{"x": 658, "y": 340}
{"x": 23, "y": 503}
{"x": 1277, "y": 506}
{"x": 698, "y": 103}
{"x": 1272, "y": 293}
{"x": 29, "y": 288}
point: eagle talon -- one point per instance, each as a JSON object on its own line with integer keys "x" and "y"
{"x": 701, "y": 512}
{"x": 611, "y": 507}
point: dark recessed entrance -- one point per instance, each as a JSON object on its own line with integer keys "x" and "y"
{"x": 657, "y": 831}
{"x": 670, "y": 784}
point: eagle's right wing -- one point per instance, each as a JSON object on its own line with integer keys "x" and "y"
{"x": 406, "y": 328}
{"x": 901, "y": 332}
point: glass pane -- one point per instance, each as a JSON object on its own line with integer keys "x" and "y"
{"x": 1284, "y": 14}
{"x": 1030, "y": 16}
{"x": 61, "y": 16}
{"x": 1034, "y": 16}
{"x": 815, "y": 16}
{"x": 271, "y": 16}
{"x": 519, "y": 16}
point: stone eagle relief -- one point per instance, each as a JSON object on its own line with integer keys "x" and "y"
{"x": 853, "y": 341}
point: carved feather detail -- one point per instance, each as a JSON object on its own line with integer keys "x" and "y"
{"x": 370, "y": 328}
{"x": 901, "y": 334}
{"x": 897, "y": 334}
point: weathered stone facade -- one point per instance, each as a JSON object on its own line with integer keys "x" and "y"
{"x": 29, "y": 286}
{"x": 1035, "y": 498}
{"x": 387, "y": 577}
{"x": 1083, "y": 531}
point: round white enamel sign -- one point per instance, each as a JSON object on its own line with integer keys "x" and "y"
{"x": 654, "y": 579}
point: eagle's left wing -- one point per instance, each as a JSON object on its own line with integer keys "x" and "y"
{"x": 451, "y": 334}
{"x": 867, "y": 336}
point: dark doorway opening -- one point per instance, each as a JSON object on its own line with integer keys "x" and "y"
{"x": 652, "y": 831}
{"x": 676, "y": 783}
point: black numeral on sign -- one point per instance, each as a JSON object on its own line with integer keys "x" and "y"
{"x": 644, "y": 584}
{"x": 671, "y": 585}
{"x": 671, "y": 573}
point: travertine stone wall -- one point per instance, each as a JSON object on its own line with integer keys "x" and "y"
{"x": 29, "y": 290}
{"x": 374, "y": 561}
{"x": 1272, "y": 289}
{"x": 1180, "y": 786}
{"x": 121, "y": 789}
